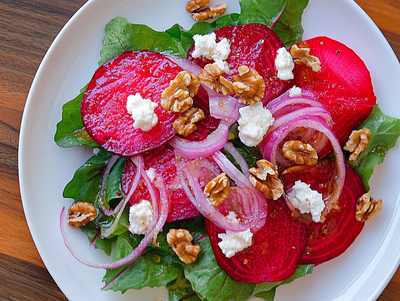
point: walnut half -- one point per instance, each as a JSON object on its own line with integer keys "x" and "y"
{"x": 178, "y": 97}
{"x": 81, "y": 213}
{"x": 217, "y": 190}
{"x": 209, "y": 12}
{"x": 299, "y": 153}
{"x": 211, "y": 76}
{"x": 357, "y": 142}
{"x": 249, "y": 86}
{"x": 194, "y": 5}
{"x": 302, "y": 56}
{"x": 181, "y": 242}
{"x": 185, "y": 123}
{"x": 265, "y": 178}
{"x": 367, "y": 207}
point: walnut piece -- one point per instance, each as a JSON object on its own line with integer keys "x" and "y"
{"x": 81, "y": 213}
{"x": 299, "y": 153}
{"x": 209, "y": 12}
{"x": 194, "y": 5}
{"x": 265, "y": 178}
{"x": 185, "y": 123}
{"x": 367, "y": 207}
{"x": 181, "y": 242}
{"x": 301, "y": 56}
{"x": 357, "y": 142}
{"x": 178, "y": 97}
{"x": 249, "y": 86}
{"x": 217, "y": 190}
{"x": 211, "y": 76}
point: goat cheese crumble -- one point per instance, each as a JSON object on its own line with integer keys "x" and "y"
{"x": 295, "y": 92}
{"x": 307, "y": 200}
{"x": 284, "y": 64}
{"x": 207, "y": 47}
{"x": 140, "y": 217}
{"x": 254, "y": 123}
{"x": 233, "y": 242}
{"x": 142, "y": 111}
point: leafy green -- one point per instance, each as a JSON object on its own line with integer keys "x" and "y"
{"x": 70, "y": 130}
{"x": 86, "y": 181}
{"x": 151, "y": 268}
{"x": 101, "y": 243}
{"x": 385, "y": 131}
{"x": 180, "y": 289}
{"x": 122, "y": 36}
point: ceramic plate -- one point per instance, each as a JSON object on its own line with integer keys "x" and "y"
{"x": 361, "y": 273}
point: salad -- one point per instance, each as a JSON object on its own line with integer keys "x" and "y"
{"x": 107, "y": 178}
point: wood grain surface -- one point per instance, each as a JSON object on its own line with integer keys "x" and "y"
{"x": 27, "y": 28}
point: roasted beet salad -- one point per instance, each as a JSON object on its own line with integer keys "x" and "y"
{"x": 225, "y": 157}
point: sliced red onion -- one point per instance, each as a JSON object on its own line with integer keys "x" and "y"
{"x": 238, "y": 158}
{"x": 285, "y": 104}
{"x": 185, "y": 64}
{"x": 139, "y": 162}
{"x": 319, "y": 111}
{"x": 270, "y": 147}
{"x": 151, "y": 234}
{"x": 200, "y": 149}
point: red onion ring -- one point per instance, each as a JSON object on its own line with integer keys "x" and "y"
{"x": 151, "y": 234}
{"x": 110, "y": 164}
{"x": 200, "y": 149}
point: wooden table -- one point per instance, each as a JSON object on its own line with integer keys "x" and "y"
{"x": 27, "y": 28}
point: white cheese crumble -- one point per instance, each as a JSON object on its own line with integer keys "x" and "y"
{"x": 142, "y": 111}
{"x": 140, "y": 217}
{"x": 233, "y": 242}
{"x": 284, "y": 64}
{"x": 151, "y": 173}
{"x": 254, "y": 123}
{"x": 232, "y": 217}
{"x": 295, "y": 92}
{"x": 307, "y": 200}
{"x": 207, "y": 47}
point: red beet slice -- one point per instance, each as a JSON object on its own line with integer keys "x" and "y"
{"x": 103, "y": 109}
{"x": 330, "y": 239}
{"x": 253, "y": 45}
{"x": 343, "y": 85}
{"x": 162, "y": 159}
{"x": 276, "y": 250}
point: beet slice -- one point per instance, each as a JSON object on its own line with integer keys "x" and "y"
{"x": 254, "y": 45}
{"x": 162, "y": 159}
{"x": 276, "y": 250}
{"x": 330, "y": 239}
{"x": 343, "y": 85}
{"x": 103, "y": 108}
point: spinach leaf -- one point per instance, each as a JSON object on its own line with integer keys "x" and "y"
{"x": 181, "y": 289}
{"x": 70, "y": 130}
{"x": 93, "y": 234}
{"x": 122, "y": 36}
{"x": 385, "y": 131}
{"x": 151, "y": 268}
{"x": 86, "y": 181}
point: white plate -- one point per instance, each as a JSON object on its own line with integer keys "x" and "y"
{"x": 44, "y": 168}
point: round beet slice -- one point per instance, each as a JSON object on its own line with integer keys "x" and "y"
{"x": 331, "y": 238}
{"x": 254, "y": 45}
{"x": 104, "y": 111}
{"x": 276, "y": 250}
{"x": 343, "y": 85}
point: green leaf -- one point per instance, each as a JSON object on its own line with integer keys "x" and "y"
{"x": 123, "y": 36}
{"x": 181, "y": 289}
{"x": 149, "y": 269}
{"x": 113, "y": 187}
{"x": 385, "y": 131}
{"x": 92, "y": 232}
{"x": 70, "y": 130}
{"x": 86, "y": 181}
{"x": 210, "y": 282}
